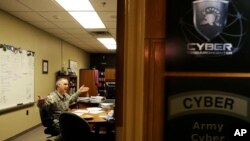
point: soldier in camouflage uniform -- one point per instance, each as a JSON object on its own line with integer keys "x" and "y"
{"x": 59, "y": 100}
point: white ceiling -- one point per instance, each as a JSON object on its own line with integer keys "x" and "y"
{"x": 52, "y": 18}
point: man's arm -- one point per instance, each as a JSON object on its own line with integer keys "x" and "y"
{"x": 43, "y": 102}
{"x": 74, "y": 97}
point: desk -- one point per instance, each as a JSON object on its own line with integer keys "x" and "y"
{"x": 81, "y": 105}
{"x": 98, "y": 118}
{"x": 86, "y": 104}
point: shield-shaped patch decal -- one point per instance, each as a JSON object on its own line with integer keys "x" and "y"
{"x": 210, "y": 17}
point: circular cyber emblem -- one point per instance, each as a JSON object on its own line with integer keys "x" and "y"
{"x": 213, "y": 28}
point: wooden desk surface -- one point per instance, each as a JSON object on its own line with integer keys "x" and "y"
{"x": 97, "y": 117}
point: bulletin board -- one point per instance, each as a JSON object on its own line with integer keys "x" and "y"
{"x": 16, "y": 77}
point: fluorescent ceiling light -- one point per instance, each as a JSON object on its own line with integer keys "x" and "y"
{"x": 111, "y": 47}
{"x": 83, "y": 12}
{"x": 107, "y": 40}
{"x": 76, "y": 5}
{"x": 88, "y": 19}
{"x": 110, "y": 43}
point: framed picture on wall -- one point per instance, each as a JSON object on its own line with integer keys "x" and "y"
{"x": 73, "y": 66}
{"x": 45, "y": 66}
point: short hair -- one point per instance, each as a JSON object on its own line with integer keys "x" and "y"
{"x": 59, "y": 81}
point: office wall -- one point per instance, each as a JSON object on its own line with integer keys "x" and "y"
{"x": 20, "y": 34}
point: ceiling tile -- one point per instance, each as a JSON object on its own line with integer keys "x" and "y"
{"x": 82, "y": 43}
{"x": 83, "y": 37}
{"x": 13, "y": 5}
{"x": 76, "y": 31}
{"x": 56, "y": 16}
{"x": 112, "y": 31}
{"x": 110, "y": 24}
{"x": 66, "y": 36}
{"x": 104, "y": 5}
{"x": 67, "y": 24}
{"x": 94, "y": 43}
{"x": 42, "y": 5}
{"x": 72, "y": 40}
{"x": 89, "y": 40}
{"x": 28, "y": 16}
{"x": 43, "y": 25}
{"x": 107, "y": 16}
{"x": 55, "y": 31}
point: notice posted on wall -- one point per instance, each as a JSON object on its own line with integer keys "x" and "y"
{"x": 207, "y": 109}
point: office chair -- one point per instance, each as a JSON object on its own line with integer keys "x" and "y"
{"x": 74, "y": 128}
{"x": 47, "y": 121}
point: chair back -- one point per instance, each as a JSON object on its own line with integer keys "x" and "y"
{"x": 47, "y": 121}
{"x": 74, "y": 128}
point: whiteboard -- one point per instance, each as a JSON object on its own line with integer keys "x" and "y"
{"x": 16, "y": 77}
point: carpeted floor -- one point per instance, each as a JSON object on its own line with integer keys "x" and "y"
{"x": 35, "y": 134}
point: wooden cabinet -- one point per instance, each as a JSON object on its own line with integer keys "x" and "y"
{"x": 72, "y": 79}
{"x": 110, "y": 74}
{"x": 89, "y": 78}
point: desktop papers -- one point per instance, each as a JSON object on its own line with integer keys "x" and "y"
{"x": 80, "y": 112}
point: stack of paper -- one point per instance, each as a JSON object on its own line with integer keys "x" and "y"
{"x": 80, "y": 112}
{"x": 83, "y": 99}
{"x": 97, "y": 99}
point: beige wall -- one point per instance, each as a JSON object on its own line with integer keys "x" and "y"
{"x": 20, "y": 34}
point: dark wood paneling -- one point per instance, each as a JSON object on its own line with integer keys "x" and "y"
{"x": 154, "y": 84}
{"x": 155, "y": 26}
{"x": 120, "y": 61}
{"x": 155, "y": 19}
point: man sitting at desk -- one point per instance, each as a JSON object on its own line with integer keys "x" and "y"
{"x": 58, "y": 101}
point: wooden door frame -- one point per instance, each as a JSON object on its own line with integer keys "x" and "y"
{"x": 140, "y": 39}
